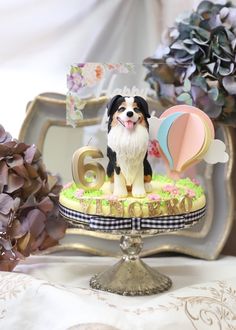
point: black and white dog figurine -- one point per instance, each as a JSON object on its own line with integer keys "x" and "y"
{"x": 128, "y": 138}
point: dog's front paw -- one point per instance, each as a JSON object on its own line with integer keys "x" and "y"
{"x": 148, "y": 187}
{"x": 120, "y": 194}
{"x": 138, "y": 192}
{"x": 120, "y": 191}
{"x": 111, "y": 188}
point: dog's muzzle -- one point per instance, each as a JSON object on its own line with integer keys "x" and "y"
{"x": 129, "y": 114}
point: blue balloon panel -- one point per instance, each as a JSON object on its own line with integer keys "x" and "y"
{"x": 162, "y": 135}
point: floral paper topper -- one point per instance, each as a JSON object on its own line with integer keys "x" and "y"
{"x": 86, "y": 80}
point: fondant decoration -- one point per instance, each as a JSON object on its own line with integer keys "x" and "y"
{"x": 190, "y": 109}
{"x": 154, "y": 124}
{"x": 168, "y": 198}
{"x": 186, "y": 136}
{"x": 128, "y": 140}
{"x": 216, "y": 153}
{"x": 80, "y": 169}
{"x": 185, "y": 140}
{"x": 153, "y": 149}
{"x": 162, "y": 136}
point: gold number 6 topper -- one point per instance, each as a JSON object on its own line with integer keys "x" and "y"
{"x": 80, "y": 169}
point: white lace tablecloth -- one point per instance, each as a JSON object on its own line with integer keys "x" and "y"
{"x": 52, "y": 292}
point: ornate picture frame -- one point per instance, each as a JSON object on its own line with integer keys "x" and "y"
{"x": 206, "y": 240}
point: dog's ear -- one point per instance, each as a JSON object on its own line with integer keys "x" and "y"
{"x": 111, "y": 104}
{"x": 142, "y": 104}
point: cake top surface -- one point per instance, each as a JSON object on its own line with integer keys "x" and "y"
{"x": 167, "y": 197}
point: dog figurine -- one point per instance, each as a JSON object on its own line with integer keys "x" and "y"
{"x": 128, "y": 139}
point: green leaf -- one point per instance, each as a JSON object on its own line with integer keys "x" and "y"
{"x": 221, "y": 99}
{"x": 74, "y": 69}
{"x": 226, "y": 71}
{"x": 187, "y": 85}
{"x": 204, "y": 6}
{"x": 202, "y": 33}
{"x": 214, "y": 93}
{"x": 211, "y": 67}
{"x": 189, "y": 102}
{"x": 229, "y": 84}
{"x": 183, "y": 97}
{"x": 200, "y": 82}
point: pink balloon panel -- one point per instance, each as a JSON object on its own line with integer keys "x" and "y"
{"x": 185, "y": 139}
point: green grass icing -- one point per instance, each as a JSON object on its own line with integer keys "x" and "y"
{"x": 162, "y": 178}
{"x": 70, "y": 192}
{"x": 182, "y": 185}
{"x": 188, "y": 183}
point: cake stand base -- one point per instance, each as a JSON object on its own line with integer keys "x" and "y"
{"x": 131, "y": 276}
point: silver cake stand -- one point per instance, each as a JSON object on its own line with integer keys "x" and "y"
{"x": 130, "y": 276}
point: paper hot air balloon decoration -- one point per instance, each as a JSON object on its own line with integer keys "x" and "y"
{"x": 186, "y": 136}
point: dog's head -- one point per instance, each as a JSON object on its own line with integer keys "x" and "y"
{"x": 127, "y": 111}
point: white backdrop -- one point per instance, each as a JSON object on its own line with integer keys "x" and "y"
{"x": 40, "y": 39}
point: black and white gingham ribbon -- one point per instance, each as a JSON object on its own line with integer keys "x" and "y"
{"x": 177, "y": 221}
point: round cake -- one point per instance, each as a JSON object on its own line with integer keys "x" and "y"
{"x": 170, "y": 205}
{"x": 127, "y": 195}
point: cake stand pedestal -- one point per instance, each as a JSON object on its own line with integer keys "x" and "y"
{"x": 131, "y": 276}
